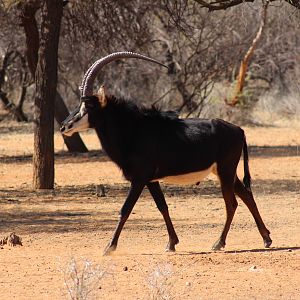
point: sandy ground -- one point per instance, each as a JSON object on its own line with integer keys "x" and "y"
{"x": 65, "y": 231}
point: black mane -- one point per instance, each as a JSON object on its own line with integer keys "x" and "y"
{"x": 127, "y": 130}
{"x": 131, "y": 108}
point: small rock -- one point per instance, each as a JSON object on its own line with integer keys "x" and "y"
{"x": 255, "y": 269}
{"x": 125, "y": 269}
{"x": 188, "y": 283}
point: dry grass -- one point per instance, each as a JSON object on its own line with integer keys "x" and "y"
{"x": 82, "y": 279}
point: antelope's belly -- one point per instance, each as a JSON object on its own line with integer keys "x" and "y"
{"x": 189, "y": 178}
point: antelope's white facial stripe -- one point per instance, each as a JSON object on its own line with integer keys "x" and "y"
{"x": 82, "y": 109}
{"x": 79, "y": 122}
{"x": 80, "y": 125}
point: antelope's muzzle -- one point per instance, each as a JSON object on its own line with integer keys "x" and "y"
{"x": 76, "y": 121}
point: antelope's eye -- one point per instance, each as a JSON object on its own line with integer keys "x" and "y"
{"x": 89, "y": 104}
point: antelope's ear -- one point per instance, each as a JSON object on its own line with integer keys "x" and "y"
{"x": 101, "y": 94}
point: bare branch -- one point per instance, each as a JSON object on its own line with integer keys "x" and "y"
{"x": 224, "y": 4}
{"x": 295, "y": 3}
{"x": 248, "y": 56}
{"x": 220, "y": 5}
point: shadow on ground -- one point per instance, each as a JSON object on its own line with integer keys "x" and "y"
{"x": 274, "y": 151}
{"x": 99, "y": 155}
{"x": 60, "y": 157}
{"x": 261, "y": 250}
{"x": 78, "y": 208}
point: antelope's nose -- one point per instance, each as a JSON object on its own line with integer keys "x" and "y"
{"x": 66, "y": 127}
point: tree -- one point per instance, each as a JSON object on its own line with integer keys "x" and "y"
{"x": 46, "y": 83}
{"x": 27, "y": 11}
{"x": 11, "y": 58}
{"x": 205, "y": 49}
{"x": 246, "y": 60}
{"x": 200, "y": 51}
{"x": 266, "y": 64}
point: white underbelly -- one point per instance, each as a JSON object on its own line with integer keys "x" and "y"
{"x": 189, "y": 178}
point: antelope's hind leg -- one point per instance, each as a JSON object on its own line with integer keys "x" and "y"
{"x": 226, "y": 181}
{"x": 248, "y": 199}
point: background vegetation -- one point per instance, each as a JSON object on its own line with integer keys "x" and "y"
{"x": 203, "y": 48}
{"x": 228, "y": 59}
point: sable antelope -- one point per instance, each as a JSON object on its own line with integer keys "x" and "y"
{"x": 151, "y": 146}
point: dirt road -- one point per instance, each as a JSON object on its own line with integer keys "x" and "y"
{"x": 67, "y": 229}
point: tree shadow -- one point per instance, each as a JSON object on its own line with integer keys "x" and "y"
{"x": 100, "y": 155}
{"x": 61, "y": 157}
{"x": 32, "y": 222}
{"x": 259, "y": 250}
{"x": 278, "y": 186}
{"x": 47, "y": 211}
{"x": 274, "y": 151}
{"x": 67, "y": 209}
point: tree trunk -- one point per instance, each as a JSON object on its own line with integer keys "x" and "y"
{"x": 46, "y": 83}
{"x": 16, "y": 111}
{"x": 74, "y": 143}
{"x": 29, "y": 24}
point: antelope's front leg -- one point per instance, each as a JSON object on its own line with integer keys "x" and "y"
{"x": 133, "y": 195}
{"x": 161, "y": 204}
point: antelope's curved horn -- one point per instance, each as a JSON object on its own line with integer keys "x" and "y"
{"x": 90, "y": 75}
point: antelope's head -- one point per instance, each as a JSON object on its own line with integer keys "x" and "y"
{"x": 80, "y": 118}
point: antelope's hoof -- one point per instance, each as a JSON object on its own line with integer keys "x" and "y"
{"x": 267, "y": 242}
{"x": 171, "y": 246}
{"x": 218, "y": 245}
{"x": 109, "y": 249}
